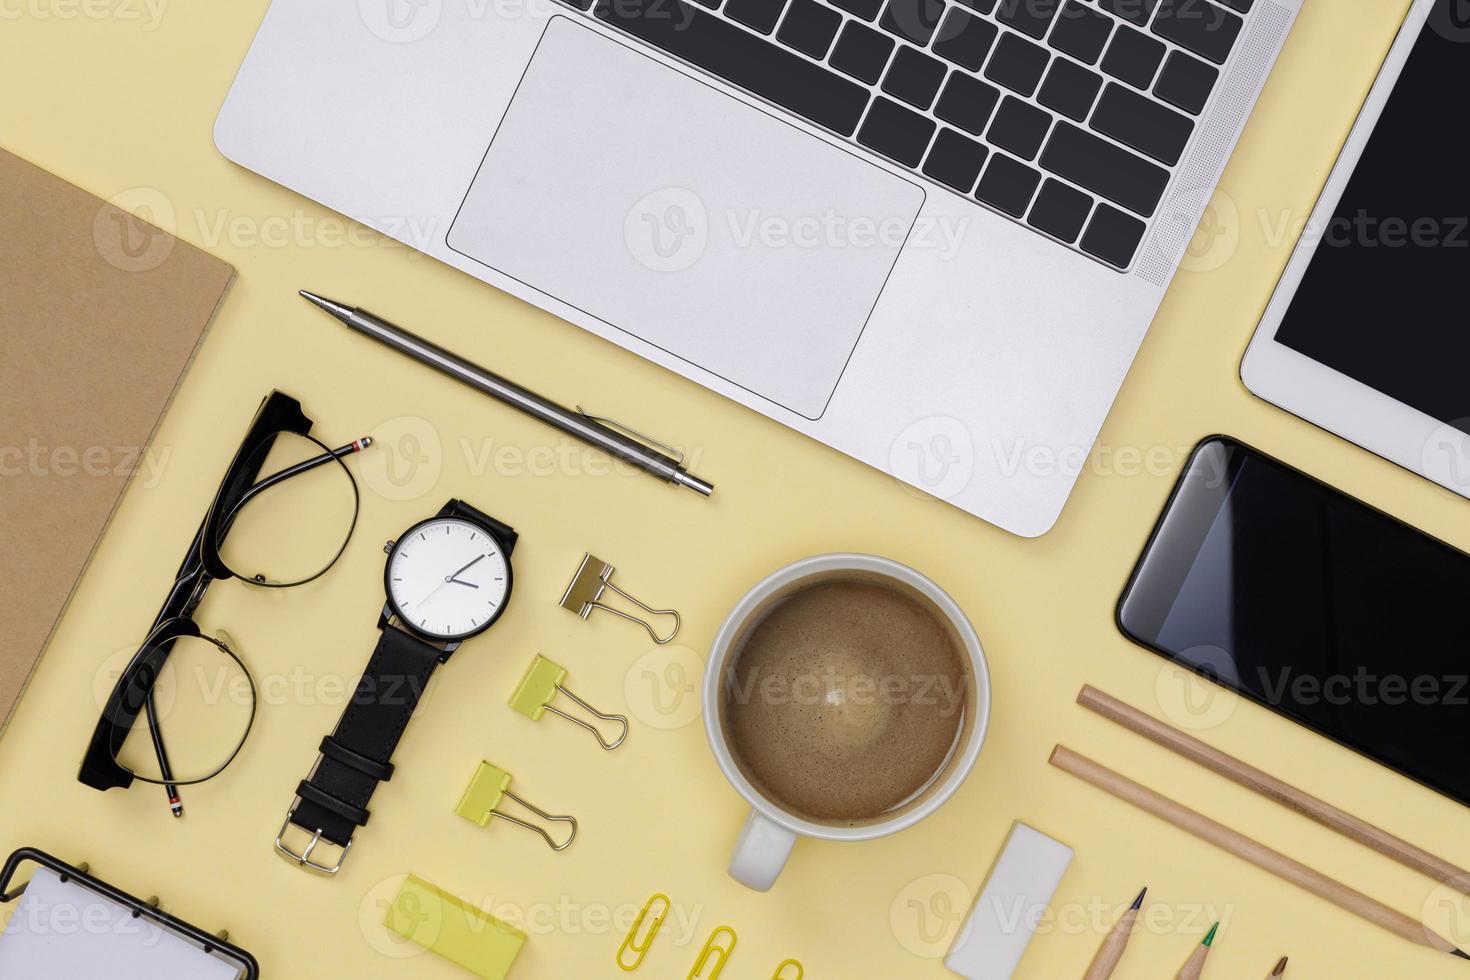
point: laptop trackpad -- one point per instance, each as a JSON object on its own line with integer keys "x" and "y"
{"x": 699, "y": 224}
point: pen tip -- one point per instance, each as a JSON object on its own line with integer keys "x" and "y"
{"x": 1280, "y": 968}
{"x": 336, "y": 309}
{"x": 1210, "y": 936}
{"x": 1138, "y": 902}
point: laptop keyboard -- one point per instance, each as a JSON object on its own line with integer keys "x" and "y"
{"x": 1066, "y": 115}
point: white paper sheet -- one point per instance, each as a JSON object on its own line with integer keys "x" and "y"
{"x": 60, "y": 929}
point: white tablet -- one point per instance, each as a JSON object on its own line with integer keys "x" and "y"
{"x": 1368, "y": 334}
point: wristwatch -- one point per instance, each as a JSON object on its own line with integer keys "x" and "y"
{"x": 447, "y": 579}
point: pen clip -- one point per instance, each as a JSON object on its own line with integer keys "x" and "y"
{"x": 616, "y": 426}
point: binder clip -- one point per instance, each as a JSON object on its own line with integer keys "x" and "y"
{"x": 713, "y": 953}
{"x": 481, "y": 802}
{"x": 540, "y": 687}
{"x": 640, "y": 948}
{"x": 797, "y": 972}
{"x": 589, "y": 584}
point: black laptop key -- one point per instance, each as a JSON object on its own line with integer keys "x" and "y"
{"x": 1104, "y": 168}
{"x": 914, "y": 77}
{"x": 955, "y": 160}
{"x": 1186, "y": 82}
{"x": 809, "y": 27}
{"x": 866, "y": 9}
{"x": 1244, "y": 6}
{"x": 1018, "y": 64}
{"x": 898, "y": 133}
{"x": 1070, "y": 89}
{"x": 1137, "y": 11}
{"x": 1113, "y": 236}
{"x": 1081, "y": 32}
{"x": 964, "y": 39}
{"x": 983, "y": 6}
{"x": 1007, "y": 185}
{"x": 913, "y": 20}
{"x": 967, "y": 103}
{"x": 1032, "y": 17}
{"x": 1060, "y": 211}
{"x": 1201, "y": 26}
{"x": 1142, "y": 123}
{"x": 741, "y": 58}
{"x": 1019, "y": 128}
{"x": 760, "y": 15}
{"x": 862, "y": 52}
{"x": 1134, "y": 57}
{"x": 711, "y": 4}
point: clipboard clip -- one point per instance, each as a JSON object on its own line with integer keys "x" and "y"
{"x": 632, "y": 433}
{"x": 592, "y": 580}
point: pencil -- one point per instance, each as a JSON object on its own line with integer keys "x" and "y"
{"x": 1272, "y": 788}
{"x": 1194, "y": 967}
{"x": 1280, "y": 969}
{"x": 1111, "y": 950}
{"x": 1246, "y": 849}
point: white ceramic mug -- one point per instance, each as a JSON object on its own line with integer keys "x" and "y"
{"x": 770, "y": 832}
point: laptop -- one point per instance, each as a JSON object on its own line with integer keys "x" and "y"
{"x": 928, "y": 233}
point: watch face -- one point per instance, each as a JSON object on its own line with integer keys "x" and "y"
{"x": 448, "y": 578}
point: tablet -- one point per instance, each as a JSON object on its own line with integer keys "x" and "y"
{"x": 1367, "y": 335}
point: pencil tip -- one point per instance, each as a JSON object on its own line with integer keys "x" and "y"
{"x": 1210, "y": 936}
{"x": 1460, "y": 953}
{"x": 1280, "y": 968}
{"x": 1138, "y": 902}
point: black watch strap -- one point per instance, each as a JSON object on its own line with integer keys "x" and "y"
{"x": 332, "y": 801}
{"x": 504, "y": 533}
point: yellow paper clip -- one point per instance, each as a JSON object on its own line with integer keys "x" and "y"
{"x": 482, "y": 798}
{"x": 592, "y": 580}
{"x": 781, "y": 973}
{"x": 713, "y": 951}
{"x": 632, "y": 944}
{"x": 541, "y": 685}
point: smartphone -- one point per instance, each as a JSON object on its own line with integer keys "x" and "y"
{"x": 1312, "y": 603}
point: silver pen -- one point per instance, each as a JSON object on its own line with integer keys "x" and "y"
{"x": 657, "y": 460}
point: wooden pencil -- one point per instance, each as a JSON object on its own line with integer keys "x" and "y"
{"x": 1280, "y": 969}
{"x": 1194, "y": 967}
{"x": 1105, "y": 961}
{"x": 1274, "y": 789}
{"x": 1249, "y": 850}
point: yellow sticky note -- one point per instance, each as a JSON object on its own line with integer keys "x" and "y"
{"x": 455, "y": 930}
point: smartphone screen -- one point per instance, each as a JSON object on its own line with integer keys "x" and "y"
{"x": 1314, "y": 604}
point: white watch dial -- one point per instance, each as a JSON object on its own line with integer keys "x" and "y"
{"x": 448, "y": 578}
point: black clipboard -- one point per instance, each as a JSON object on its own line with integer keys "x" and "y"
{"x": 213, "y": 945}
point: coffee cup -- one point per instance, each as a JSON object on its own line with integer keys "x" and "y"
{"x": 846, "y": 698}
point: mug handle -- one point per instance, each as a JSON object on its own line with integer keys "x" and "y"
{"x": 760, "y": 852}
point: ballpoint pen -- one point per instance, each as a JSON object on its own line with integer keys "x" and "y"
{"x": 658, "y": 461}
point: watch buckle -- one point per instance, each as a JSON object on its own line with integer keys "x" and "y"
{"x": 303, "y": 859}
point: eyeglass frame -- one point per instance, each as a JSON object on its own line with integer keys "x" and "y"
{"x": 278, "y": 414}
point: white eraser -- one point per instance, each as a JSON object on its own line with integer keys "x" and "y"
{"x": 1011, "y": 903}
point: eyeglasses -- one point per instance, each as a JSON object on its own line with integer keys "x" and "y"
{"x": 245, "y": 531}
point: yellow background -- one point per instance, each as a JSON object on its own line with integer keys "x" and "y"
{"x": 109, "y": 99}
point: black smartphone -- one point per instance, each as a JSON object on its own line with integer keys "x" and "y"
{"x": 1314, "y": 604}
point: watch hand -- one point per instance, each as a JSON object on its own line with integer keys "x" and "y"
{"x": 451, "y": 578}
{"x": 471, "y": 585}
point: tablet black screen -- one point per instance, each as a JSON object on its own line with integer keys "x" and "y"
{"x": 1384, "y": 298}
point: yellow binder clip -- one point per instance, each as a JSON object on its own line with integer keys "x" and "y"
{"x": 715, "y": 955}
{"x": 796, "y": 971}
{"x": 540, "y": 687}
{"x": 592, "y": 580}
{"x": 481, "y": 803}
{"x": 632, "y": 944}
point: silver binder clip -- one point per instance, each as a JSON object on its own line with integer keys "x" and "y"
{"x": 589, "y": 584}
